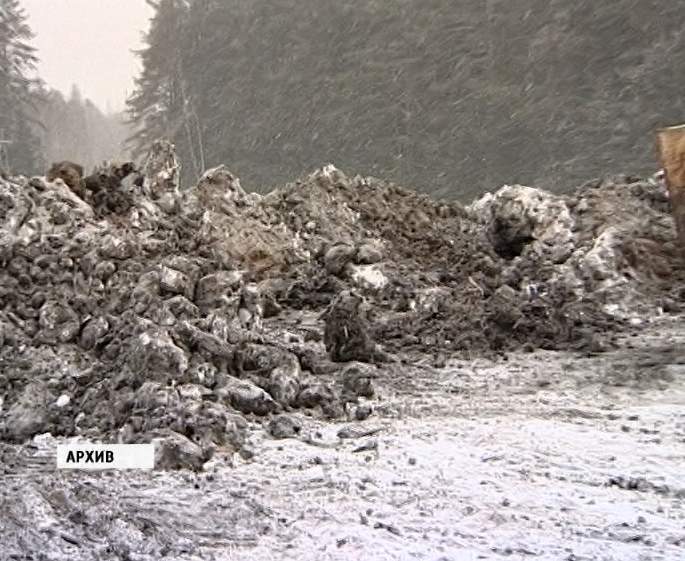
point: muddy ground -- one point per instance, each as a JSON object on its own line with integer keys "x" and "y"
{"x": 549, "y": 455}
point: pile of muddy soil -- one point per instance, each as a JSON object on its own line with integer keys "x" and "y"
{"x": 183, "y": 312}
{"x": 517, "y": 268}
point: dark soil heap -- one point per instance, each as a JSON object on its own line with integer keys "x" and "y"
{"x": 178, "y": 314}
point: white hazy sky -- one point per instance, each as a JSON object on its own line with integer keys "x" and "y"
{"x": 89, "y": 43}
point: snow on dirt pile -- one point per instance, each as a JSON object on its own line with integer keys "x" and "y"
{"x": 521, "y": 267}
{"x": 612, "y": 242}
{"x": 144, "y": 323}
{"x": 184, "y": 312}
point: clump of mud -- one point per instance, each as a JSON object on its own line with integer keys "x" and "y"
{"x": 169, "y": 314}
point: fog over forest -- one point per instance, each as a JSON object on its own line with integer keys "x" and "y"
{"x": 452, "y": 99}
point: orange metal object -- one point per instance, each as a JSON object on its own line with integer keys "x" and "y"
{"x": 671, "y": 148}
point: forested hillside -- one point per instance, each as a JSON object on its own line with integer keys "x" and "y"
{"x": 449, "y": 97}
{"x": 39, "y": 126}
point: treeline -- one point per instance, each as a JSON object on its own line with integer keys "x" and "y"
{"x": 38, "y": 125}
{"x": 451, "y": 97}
{"x": 75, "y": 129}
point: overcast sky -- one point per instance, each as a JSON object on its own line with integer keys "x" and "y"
{"x": 89, "y": 43}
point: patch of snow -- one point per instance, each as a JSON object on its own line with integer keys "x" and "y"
{"x": 369, "y": 275}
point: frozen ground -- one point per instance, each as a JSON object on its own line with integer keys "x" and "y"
{"x": 549, "y": 456}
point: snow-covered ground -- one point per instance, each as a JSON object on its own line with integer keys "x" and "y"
{"x": 549, "y": 456}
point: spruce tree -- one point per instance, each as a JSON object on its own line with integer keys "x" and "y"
{"x": 18, "y": 90}
{"x": 157, "y": 107}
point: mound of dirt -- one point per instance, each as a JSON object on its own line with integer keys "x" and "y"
{"x": 182, "y": 312}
